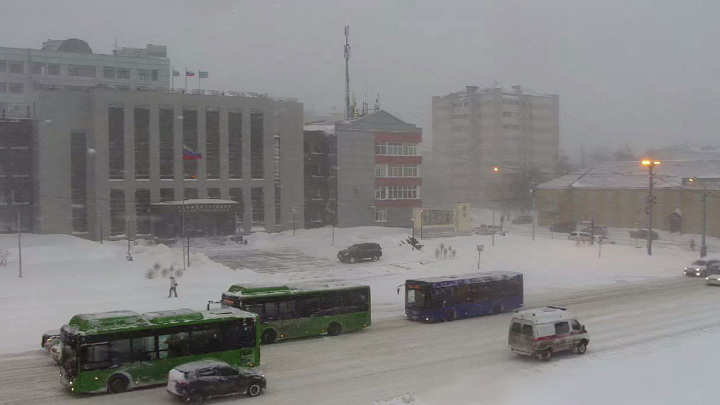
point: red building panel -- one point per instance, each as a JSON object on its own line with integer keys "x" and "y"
{"x": 398, "y": 203}
{"x": 398, "y": 160}
{"x": 407, "y": 137}
{"x": 398, "y": 181}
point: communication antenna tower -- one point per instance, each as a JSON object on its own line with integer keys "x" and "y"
{"x": 348, "y": 113}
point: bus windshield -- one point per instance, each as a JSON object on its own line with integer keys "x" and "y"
{"x": 416, "y": 297}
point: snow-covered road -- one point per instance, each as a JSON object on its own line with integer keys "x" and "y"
{"x": 395, "y": 356}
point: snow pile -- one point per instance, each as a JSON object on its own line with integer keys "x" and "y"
{"x": 406, "y": 399}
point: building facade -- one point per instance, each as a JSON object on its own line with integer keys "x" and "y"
{"x": 320, "y": 175}
{"x": 615, "y": 194}
{"x": 477, "y": 129}
{"x": 379, "y": 177}
{"x": 23, "y": 72}
{"x": 17, "y": 174}
{"x": 108, "y": 155}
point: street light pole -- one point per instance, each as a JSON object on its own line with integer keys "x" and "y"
{"x": 650, "y": 164}
{"x": 19, "y": 245}
{"x": 534, "y": 214}
{"x": 413, "y": 228}
{"x": 421, "y": 224}
{"x": 294, "y": 210}
{"x": 493, "y": 222}
{"x": 703, "y": 246}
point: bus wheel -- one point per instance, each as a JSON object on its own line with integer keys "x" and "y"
{"x": 268, "y": 337}
{"x": 497, "y": 309}
{"x": 334, "y": 329}
{"x": 118, "y": 384}
{"x": 449, "y": 315}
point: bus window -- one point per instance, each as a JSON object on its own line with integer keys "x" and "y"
{"x": 206, "y": 341}
{"x": 355, "y": 301}
{"x": 94, "y": 357}
{"x": 287, "y": 310}
{"x": 416, "y": 297}
{"x": 256, "y": 309}
{"x": 271, "y": 311}
{"x": 331, "y": 304}
{"x": 119, "y": 351}
{"x": 143, "y": 349}
{"x": 307, "y": 307}
{"x": 170, "y": 346}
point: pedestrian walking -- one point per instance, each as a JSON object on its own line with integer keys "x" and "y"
{"x": 173, "y": 287}
{"x": 692, "y": 244}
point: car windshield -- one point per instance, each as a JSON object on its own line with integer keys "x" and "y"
{"x": 699, "y": 262}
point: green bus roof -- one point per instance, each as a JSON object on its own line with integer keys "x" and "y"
{"x": 117, "y": 321}
{"x": 263, "y": 290}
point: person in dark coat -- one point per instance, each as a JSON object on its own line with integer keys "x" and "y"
{"x": 173, "y": 287}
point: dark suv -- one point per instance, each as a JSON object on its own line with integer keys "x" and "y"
{"x": 361, "y": 251}
{"x": 194, "y": 382}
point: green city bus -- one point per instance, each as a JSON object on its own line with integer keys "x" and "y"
{"x": 293, "y": 311}
{"x": 121, "y": 350}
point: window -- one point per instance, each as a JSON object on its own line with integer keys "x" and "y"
{"x": 227, "y": 371}
{"x": 3, "y": 66}
{"x": 191, "y": 193}
{"x": 36, "y": 68}
{"x": 16, "y": 67}
{"x": 3, "y": 87}
{"x": 381, "y": 170}
{"x": 213, "y": 193}
{"x": 527, "y": 330}
{"x": 271, "y": 311}
{"x": 154, "y": 75}
{"x": 16, "y": 88}
{"x": 287, "y": 310}
{"x": 206, "y": 341}
{"x": 516, "y": 328}
{"x": 380, "y": 216}
{"x": 144, "y": 74}
{"x": 123, "y": 73}
{"x": 507, "y": 114}
{"x": 562, "y": 328}
{"x": 53, "y": 70}
{"x": 143, "y": 349}
{"x": 109, "y": 72}
{"x": 576, "y": 325}
{"x": 81, "y": 71}
{"x": 176, "y": 345}
{"x": 380, "y": 193}
{"x": 167, "y": 194}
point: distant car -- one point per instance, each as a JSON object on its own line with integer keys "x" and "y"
{"x": 562, "y": 227}
{"x": 576, "y": 234}
{"x": 702, "y": 268}
{"x": 522, "y": 219}
{"x": 50, "y": 338}
{"x": 487, "y": 229}
{"x": 604, "y": 240}
{"x": 195, "y": 382}
{"x": 595, "y": 230}
{"x": 360, "y": 251}
{"x": 643, "y": 234}
{"x": 713, "y": 279}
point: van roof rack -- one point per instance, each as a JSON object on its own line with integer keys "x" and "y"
{"x": 554, "y": 307}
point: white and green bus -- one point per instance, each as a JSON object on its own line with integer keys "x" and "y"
{"x": 121, "y": 350}
{"x": 302, "y": 310}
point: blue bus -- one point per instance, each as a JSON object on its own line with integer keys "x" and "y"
{"x": 453, "y": 297}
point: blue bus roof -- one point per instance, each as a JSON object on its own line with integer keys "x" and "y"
{"x": 471, "y": 277}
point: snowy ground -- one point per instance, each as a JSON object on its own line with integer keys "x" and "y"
{"x": 63, "y": 275}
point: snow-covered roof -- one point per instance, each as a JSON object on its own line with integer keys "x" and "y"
{"x": 197, "y": 201}
{"x": 327, "y": 127}
{"x": 200, "y": 364}
{"x": 485, "y": 276}
{"x": 633, "y": 175}
{"x": 261, "y": 288}
{"x": 544, "y": 315}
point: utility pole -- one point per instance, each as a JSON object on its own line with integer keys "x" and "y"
{"x": 703, "y": 246}
{"x": 348, "y": 113}
{"x": 421, "y": 224}
{"x": 19, "y": 245}
{"x": 534, "y": 215}
{"x": 493, "y": 223}
{"x": 101, "y": 229}
{"x": 183, "y": 235}
{"x": 650, "y": 164}
{"x": 294, "y": 210}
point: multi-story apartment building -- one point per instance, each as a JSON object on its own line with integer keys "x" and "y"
{"x": 320, "y": 175}
{"x": 119, "y": 161}
{"x": 17, "y": 173}
{"x": 475, "y": 130}
{"x": 72, "y": 62}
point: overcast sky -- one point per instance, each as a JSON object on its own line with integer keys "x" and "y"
{"x": 642, "y": 73}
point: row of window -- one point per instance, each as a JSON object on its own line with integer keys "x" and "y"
{"x": 386, "y": 170}
{"x": 511, "y": 126}
{"x": 396, "y": 149}
{"x": 397, "y": 192}
{"x": 51, "y": 69}
{"x": 324, "y": 305}
{"x": 511, "y": 102}
{"x": 460, "y": 116}
{"x": 15, "y": 88}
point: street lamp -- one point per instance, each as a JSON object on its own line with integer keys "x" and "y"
{"x": 413, "y": 227}
{"x": 650, "y": 164}
{"x": 703, "y": 247}
{"x": 294, "y": 210}
{"x": 421, "y": 224}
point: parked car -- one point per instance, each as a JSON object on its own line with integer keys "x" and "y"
{"x": 197, "y": 381}
{"x": 596, "y": 230}
{"x": 702, "y": 268}
{"x": 487, "y": 229}
{"x": 643, "y": 234}
{"x": 522, "y": 219}
{"x": 562, "y": 227}
{"x": 50, "y": 338}
{"x": 604, "y": 240}
{"x": 360, "y": 251}
{"x": 545, "y": 331}
{"x": 577, "y": 234}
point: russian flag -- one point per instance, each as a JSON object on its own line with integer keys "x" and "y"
{"x": 189, "y": 73}
{"x": 189, "y": 154}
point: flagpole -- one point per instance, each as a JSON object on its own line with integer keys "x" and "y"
{"x": 185, "y": 78}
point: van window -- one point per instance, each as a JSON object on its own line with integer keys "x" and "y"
{"x": 516, "y": 328}
{"x": 527, "y": 330}
{"x": 562, "y": 328}
{"x": 576, "y": 325}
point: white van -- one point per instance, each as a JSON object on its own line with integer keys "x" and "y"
{"x": 545, "y": 331}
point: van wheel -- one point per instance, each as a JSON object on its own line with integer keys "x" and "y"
{"x": 546, "y": 355}
{"x": 118, "y": 384}
{"x": 334, "y": 329}
{"x": 269, "y": 336}
{"x": 351, "y": 260}
{"x": 582, "y": 347}
{"x": 497, "y": 309}
{"x": 196, "y": 398}
{"x": 449, "y": 315}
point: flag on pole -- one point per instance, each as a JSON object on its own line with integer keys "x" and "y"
{"x": 203, "y": 74}
{"x": 176, "y": 73}
{"x": 189, "y": 154}
{"x": 189, "y": 73}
